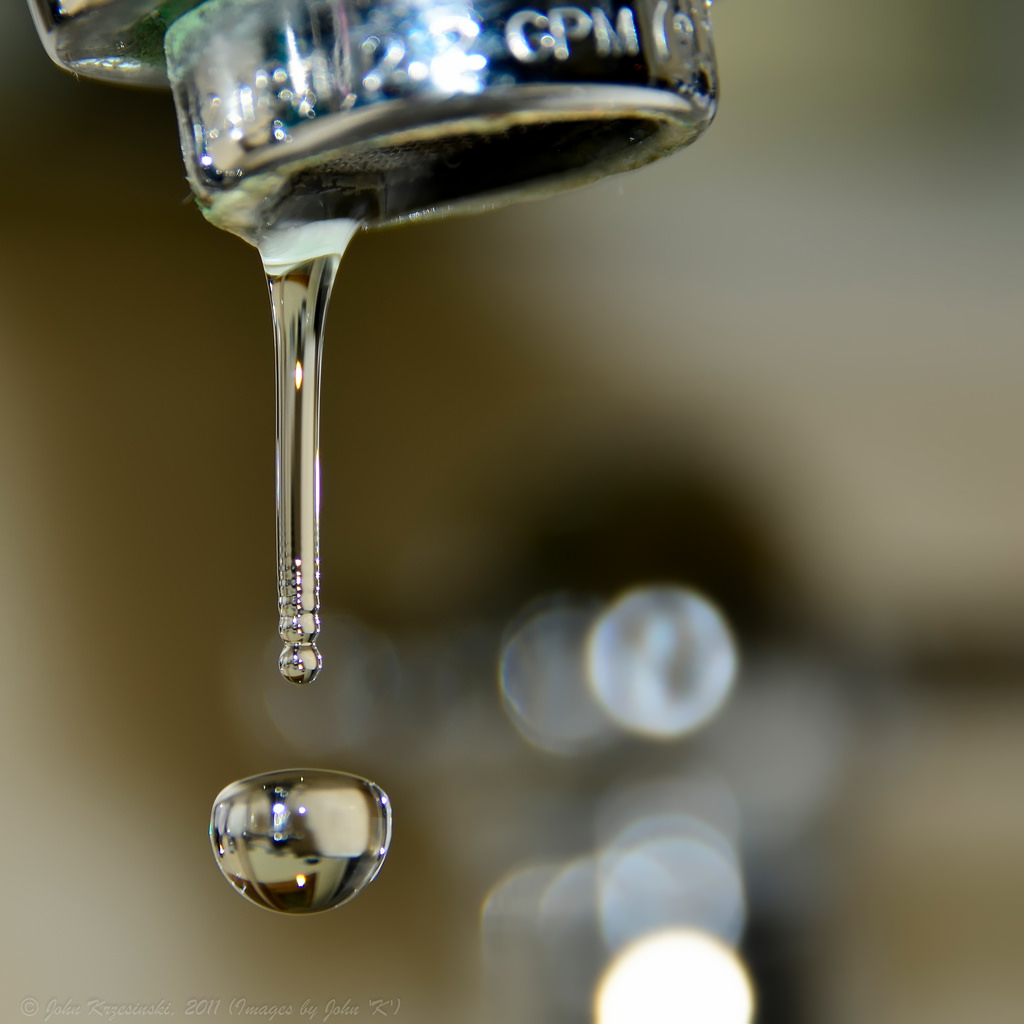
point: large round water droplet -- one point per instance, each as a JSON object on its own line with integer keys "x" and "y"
{"x": 302, "y": 840}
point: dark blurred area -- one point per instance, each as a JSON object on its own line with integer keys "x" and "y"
{"x": 780, "y": 370}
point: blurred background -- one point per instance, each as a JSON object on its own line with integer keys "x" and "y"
{"x": 777, "y": 375}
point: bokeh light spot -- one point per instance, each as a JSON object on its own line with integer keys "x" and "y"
{"x": 661, "y": 661}
{"x": 543, "y": 679}
{"x": 676, "y": 976}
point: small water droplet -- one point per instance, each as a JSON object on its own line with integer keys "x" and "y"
{"x": 301, "y": 861}
{"x": 300, "y": 663}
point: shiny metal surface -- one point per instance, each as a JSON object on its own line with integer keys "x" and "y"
{"x": 296, "y": 110}
{"x": 300, "y": 110}
{"x": 115, "y": 40}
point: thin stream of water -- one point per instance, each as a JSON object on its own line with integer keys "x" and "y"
{"x": 301, "y": 265}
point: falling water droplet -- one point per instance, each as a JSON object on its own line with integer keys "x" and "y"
{"x": 302, "y": 840}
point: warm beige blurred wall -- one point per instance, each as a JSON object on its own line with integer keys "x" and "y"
{"x": 826, "y": 295}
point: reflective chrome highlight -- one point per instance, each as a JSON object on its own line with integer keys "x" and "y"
{"x": 300, "y": 841}
{"x": 380, "y": 112}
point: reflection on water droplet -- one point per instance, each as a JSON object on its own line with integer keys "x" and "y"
{"x": 302, "y": 840}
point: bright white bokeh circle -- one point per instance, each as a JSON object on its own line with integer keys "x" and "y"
{"x": 675, "y": 976}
